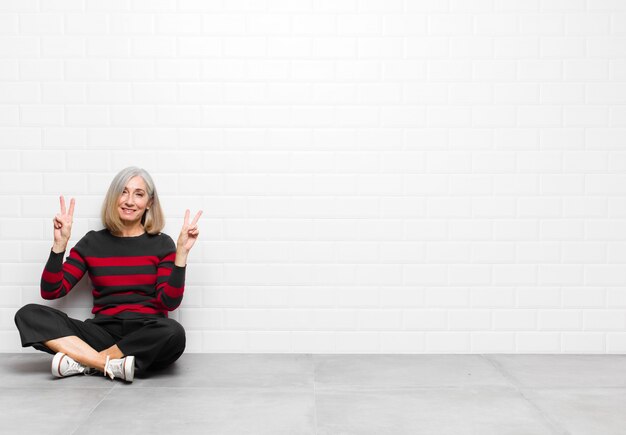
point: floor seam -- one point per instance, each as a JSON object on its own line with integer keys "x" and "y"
{"x": 91, "y": 411}
{"x": 552, "y": 425}
{"x": 315, "y": 426}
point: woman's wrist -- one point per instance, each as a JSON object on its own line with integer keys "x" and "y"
{"x": 58, "y": 248}
{"x": 181, "y": 257}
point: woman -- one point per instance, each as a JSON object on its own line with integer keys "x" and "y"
{"x": 138, "y": 275}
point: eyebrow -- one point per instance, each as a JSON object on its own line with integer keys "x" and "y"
{"x": 137, "y": 190}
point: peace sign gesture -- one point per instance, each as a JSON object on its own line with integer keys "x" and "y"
{"x": 188, "y": 234}
{"x": 63, "y": 225}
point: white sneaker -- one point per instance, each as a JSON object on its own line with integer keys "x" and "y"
{"x": 63, "y": 365}
{"x": 123, "y": 368}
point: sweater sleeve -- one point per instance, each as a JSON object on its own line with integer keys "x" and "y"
{"x": 170, "y": 280}
{"x": 60, "y": 277}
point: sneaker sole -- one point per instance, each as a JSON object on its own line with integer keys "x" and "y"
{"x": 56, "y": 364}
{"x": 129, "y": 368}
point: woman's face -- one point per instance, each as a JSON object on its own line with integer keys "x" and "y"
{"x": 133, "y": 201}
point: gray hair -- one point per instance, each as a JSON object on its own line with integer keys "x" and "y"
{"x": 153, "y": 220}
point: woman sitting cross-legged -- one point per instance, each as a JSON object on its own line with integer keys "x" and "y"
{"x": 138, "y": 275}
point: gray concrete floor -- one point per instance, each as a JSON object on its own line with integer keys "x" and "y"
{"x": 325, "y": 394}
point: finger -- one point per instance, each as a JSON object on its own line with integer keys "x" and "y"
{"x": 195, "y": 219}
{"x": 186, "y": 222}
{"x": 63, "y": 211}
{"x": 71, "y": 212}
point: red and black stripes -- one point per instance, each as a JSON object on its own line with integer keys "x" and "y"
{"x": 135, "y": 274}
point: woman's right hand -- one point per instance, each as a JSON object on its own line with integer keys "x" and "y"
{"x": 63, "y": 226}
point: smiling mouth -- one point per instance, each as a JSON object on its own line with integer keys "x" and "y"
{"x": 128, "y": 210}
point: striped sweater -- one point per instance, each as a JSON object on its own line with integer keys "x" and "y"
{"x": 129, "y": 274}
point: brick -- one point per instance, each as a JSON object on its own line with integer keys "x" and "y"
{"x": 518, "y": 47}
{"x": 448, "y": 116}
{"x": 561, "y": 320}
{"x": 538, "y": 342}
{"x": 582, "y": 297}
{"x": 447, "y": 342}
{"x": 133, "y": 116}
{"x": 604, "y": 275}
{"x": 446, "y": 297}
{"x": 66, "y": 137}
{"x": 424, "y": 274}
{"x": 310, "y": 342}
{"x": 585, "y": 207}
{"x": 490, "y": 253}
{"x": 519, "y": 93}
{"x": 538, "y": 252}
{"x": 565, "y": 274}
{"x": 492, "y": 297}
{"x": 427, "y": 47}
{"x": 494, "y": 70}
{"x": 470, "y": 139}
{"x": 378, "y": 320}
{"x": 394, "y": 24}
{"x": 328, "y": 47}
{"x": 128, "y": 23}
{"x": 615, "y": 342}
{"x": 587, "y": 24}
{"x": 469, "y": 320}
{"x": 517, "y": 5}
{"x": 426, "y": 229}
{"x": 447, "y": 252}
{"x": 357, "y": 342}
{"x": 514, "y": 274}
{"x": 380, "y": 48}
{"x": 449, "y": 70}
{"x": 448, "y": 162}
{"x": 198, "y": 46}
{"x": 424, "y": 320}
{"x": 493, "y": 342}
{"x": 519, "y": 185}
{"x": 556, "y": 229}
{"x": 421, "y": 93}
{"x": 402, "y": 342}
{"x": 605, "y": 46}
{"x": 515, "y": 320}
{"x": 473, "y": 47}
{"x": 570, "y": 139}
{"x": 471, "y": 184}
{"x": 293, "y": 47}
{"x": 499, "y": 207}
{"x": 477, "y": 229}
{"x": 41, "y": 70}
{"x": 543, "y": 24}
{"x": 492, "y": 24}
{"x": 470, "y": 275}
{"x": 449, "y": 24}
{"x": 42, "y": 116}
{"x": 321, "y": 24}
{"x": 452, "y": 207}
{"x": 562, "y": 93}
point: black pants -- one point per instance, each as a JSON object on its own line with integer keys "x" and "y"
{"x": 155, "y": 341}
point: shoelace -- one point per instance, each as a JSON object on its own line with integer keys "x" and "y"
{"x": 107, "y": 371}
{"x": 75, "y": 365}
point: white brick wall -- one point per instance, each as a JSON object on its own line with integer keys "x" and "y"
{"x": 377, "y": 176}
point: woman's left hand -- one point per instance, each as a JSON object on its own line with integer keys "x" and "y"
{"x": 189, "y": 233}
